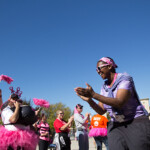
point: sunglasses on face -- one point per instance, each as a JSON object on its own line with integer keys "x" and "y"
{"x": 61, "y": 113}
{"x": 99, "y": 68}
{"x": 80, "y": 107}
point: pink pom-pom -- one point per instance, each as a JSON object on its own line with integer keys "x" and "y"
{"x": 6, "y": 78}
{"x": 41, "y": 102}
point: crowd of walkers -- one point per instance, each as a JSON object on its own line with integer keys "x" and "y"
{"x": 127, "y": 129}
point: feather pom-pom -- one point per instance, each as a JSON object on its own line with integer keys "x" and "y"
{"x": 41, "y": 102}
{"x": 6, "y": 78}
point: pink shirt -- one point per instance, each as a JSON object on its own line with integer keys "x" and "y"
{"x": 43, "y": 128}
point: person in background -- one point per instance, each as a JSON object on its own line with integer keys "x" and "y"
{"x": 81, "y": 123}
{"x": 62, "y": 139}
{"x": 129, "y": 127}
{"x": 16, "y": 134}
{"x": 98, "y": 130}
{"x": 44, "y": 133}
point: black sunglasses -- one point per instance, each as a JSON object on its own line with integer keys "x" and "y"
{"x": 80, "y": 107}
{"x": 61, "y": 113}
{"x": 98, "y": 69}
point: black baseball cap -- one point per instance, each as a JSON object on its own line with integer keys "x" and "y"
{"x": 79, "y": 105}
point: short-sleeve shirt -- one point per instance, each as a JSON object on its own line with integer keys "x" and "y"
{"x": 132, "y": 108}
{"x": 58, "y": 124}
{"x": 6, "y": 114}
{"x": 99, "y": 121}
{"x": 43, "y": 128}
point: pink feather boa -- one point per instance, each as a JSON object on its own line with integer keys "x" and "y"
{"x": 41, "y": 102}
{"x": 98, "y": 132}
{"x": 6, "y": 78}
{"x": 24, "y": 138}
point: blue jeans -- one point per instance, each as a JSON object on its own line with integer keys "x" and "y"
{"x": 99, "y": 140}
{"x": 83, "y": 140}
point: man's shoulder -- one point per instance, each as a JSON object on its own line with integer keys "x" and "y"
{"x": 7, "y": 109}
{"x": 6, "y": 113}
{"x": 56, "y": 121}
{"x": 76, "y": 115}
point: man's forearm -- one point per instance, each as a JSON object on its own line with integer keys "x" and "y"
{"x": 108, "y": 100}
{"x": 15, "y": 116}
{"x": 118, "y": 101}
{"x": 96, "y": 107}
{"x": 65, "y": 126}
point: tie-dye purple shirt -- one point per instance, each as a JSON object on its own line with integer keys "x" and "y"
{"x": 131, "y": 109}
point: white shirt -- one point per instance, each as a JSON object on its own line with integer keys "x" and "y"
{"x": 6, "y": 114}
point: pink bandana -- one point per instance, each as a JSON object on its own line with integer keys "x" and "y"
{"x": 108, "y": 61}
{"x": 76, "y": 112}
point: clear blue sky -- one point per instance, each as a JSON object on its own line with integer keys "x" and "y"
{"x": 49, "y": 47}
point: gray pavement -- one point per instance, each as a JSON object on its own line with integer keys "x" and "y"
{"x": 74, "y": 145}
{"x": 92, "y": 145}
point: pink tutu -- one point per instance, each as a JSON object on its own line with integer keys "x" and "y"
{"x": 98, "y": 132}
{"x": 24, "y": 138}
